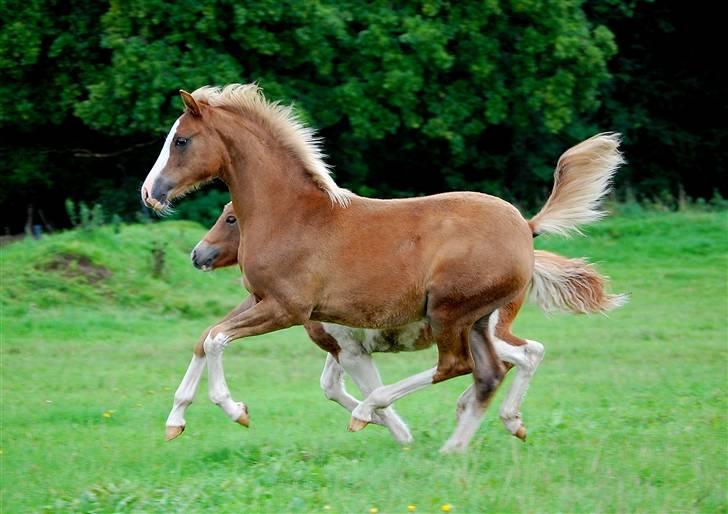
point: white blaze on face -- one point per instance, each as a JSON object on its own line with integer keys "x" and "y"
{"x": 160, "y": 163}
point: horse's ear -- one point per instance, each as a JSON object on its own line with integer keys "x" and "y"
{"x": 190, "y": 102}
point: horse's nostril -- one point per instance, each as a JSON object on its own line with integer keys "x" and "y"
{"x": 145, "y": 193}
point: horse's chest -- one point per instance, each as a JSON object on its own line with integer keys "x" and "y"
{"x": 409, "y": 338}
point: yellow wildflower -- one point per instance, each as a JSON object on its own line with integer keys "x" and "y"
{"x": 107, "y": 414}
{"x": 373, "y": 510}
{"x": 411, "y": 508}
{"x": 446, "y": 508}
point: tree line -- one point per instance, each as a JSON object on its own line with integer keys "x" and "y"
{"x": 411, "y": 97}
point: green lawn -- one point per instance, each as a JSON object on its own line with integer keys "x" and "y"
{"x": 626, "y": 413}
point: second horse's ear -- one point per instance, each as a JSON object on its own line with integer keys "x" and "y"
{"x": 190, "y": 102}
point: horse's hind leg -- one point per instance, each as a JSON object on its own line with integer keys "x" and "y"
{"x": 474, "y": 401}
{"x": 523, "y": 354}
{"x": 526, "y": 359}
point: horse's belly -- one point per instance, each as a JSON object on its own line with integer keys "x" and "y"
{"x": 408, "y": 338}
{"x": 388, "y": 304}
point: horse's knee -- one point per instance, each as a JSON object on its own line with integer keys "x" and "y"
{"x": 214, "y": 344}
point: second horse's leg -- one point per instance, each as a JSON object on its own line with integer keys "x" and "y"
{"x": 332, "y": 383}
{"x": 364, "y": 373}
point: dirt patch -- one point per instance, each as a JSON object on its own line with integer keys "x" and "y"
{"x": 77, "y": 266}
{"x": 6, "y": 240}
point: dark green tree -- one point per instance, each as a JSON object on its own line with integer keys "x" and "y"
{"x": 412, "y": 98}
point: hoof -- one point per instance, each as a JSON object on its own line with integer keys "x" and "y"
{"x": 521, "y": 433}
{"x": 357, "y": 424}
{"x": 173, "y": 432}
{"x": 244, "y": 419}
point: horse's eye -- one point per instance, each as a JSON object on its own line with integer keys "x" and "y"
{"x": 230, "y": 220}
{"x": 180, "y": 141}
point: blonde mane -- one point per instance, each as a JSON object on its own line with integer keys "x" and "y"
{"x": 285, "y": 124}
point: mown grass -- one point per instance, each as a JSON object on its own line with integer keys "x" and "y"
{"x": 626, "y": 413}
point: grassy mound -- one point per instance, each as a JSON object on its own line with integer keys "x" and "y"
{"x": 105, "y": 267}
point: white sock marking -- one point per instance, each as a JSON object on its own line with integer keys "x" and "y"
{"x": 526, "y": 359}
{"x": 186, "y": 391}
{"x": 217, "y": 387}
{"x": 386, "y": 395}
{"x": 364, "y": 373}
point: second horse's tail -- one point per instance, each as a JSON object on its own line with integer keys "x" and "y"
{"x": 560, "y": 284}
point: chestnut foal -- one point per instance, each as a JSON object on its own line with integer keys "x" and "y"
{"x": 313, "y": 251}
{"x": 350, "y": 348}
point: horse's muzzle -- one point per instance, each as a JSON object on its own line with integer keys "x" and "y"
{"x": 204, "y": 256}
{"x": 158, "y": 198}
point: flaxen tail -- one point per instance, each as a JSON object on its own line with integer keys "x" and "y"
{"x": 583, "y": 176}
{"x": 560, "y": 284}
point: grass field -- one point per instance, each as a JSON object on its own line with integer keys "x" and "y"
{"x": 626, "y": 413}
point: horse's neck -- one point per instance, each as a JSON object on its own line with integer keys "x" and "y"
{"x": 268, "y": 185}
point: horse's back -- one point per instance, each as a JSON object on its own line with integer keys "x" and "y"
{"x": 404, "y": 250}
{"x": 444, "y": 228}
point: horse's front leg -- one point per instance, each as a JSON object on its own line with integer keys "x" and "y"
{"x": 361, "y": 368}
{"x": 265, "y": 316}
{"x": 187, "y": 389}
{"x": 183, "y": 397}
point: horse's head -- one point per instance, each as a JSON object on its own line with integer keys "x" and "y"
{"x": 219, "y": 247}
{"x": 192, "y": 154}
